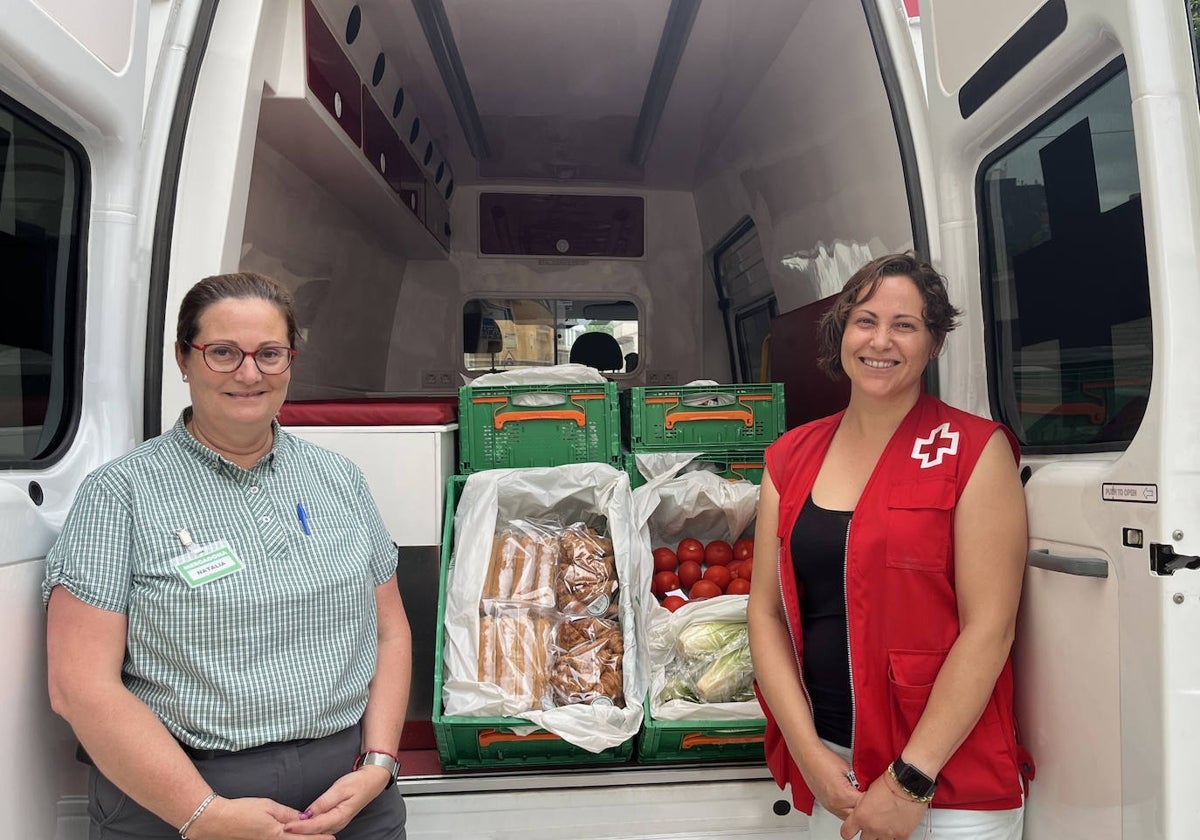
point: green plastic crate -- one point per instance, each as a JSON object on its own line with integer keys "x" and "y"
{"x": 748, "y": 465}
{"x": 497, "y": 427}
{"x": 661, "y": 419}
{"x": 699, "y": 740}
{"x": 480, "y": 742}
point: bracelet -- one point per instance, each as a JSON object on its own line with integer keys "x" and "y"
{"x": 922, "y": 799}
{"x": 183, "y": 829}
{"x": 358, "y": 761}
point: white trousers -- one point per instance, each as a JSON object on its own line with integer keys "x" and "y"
{"x": 937, "y": 824}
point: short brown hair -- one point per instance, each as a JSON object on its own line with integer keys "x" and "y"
{"x": 221, "y": 287}
{"x": 939, "y": 314}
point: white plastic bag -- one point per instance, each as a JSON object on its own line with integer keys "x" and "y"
{"x": 571, "y": 493}
{"x": 568, "y": 374}
{"x": 663, "y": 629}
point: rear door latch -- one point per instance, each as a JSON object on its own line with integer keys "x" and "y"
{"x": 1164, "y": 560}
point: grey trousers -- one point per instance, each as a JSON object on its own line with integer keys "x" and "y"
{"x": 290, "y": 774}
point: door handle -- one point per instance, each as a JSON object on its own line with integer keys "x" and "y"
{"x": 1041, "y": 558}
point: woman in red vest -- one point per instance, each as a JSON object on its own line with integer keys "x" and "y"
{"x": 890, "y": 548}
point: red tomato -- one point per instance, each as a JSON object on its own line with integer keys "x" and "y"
{"x": 720, "y": 575}
{"x": 745, "y": 570}
{"x": 738, "y": 586}
{"x": 743, "y": 549}
{"x": 689, "y": 573}
{"x": 718, "y": 553}
{"x": 735, "y": 568}
{"x": 664, "y": 582}
{"x": 704, "y": 589}
{"x": 665, "y": 560}
{"x": 690, "y": 549}
{"x": 673, "y": 602}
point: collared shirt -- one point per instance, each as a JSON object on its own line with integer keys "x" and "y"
{"x": 281, "y": 648}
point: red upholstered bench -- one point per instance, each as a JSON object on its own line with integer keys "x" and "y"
{"x": 415, "y": 411}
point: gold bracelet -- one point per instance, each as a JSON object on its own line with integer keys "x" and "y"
{"x": 924, "y": 800}
{"x": 183, "y": 829}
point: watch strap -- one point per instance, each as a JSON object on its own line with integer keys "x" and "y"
{"x": 378, "y": 758}
{"x": 912, "y": 781}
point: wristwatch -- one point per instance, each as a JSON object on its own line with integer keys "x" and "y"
{"x": 387, "y": 761}
{"x": 919, "y": 786}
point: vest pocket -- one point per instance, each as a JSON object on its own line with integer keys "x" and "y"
{"x": 920, "y": 524}
{"x": 983, "y": 768}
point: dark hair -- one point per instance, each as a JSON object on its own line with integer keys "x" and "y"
{"x": 938, "y": 314}
{"x": 219, "y": 287}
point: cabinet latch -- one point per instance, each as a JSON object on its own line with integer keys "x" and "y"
{"x": 1164, "y": 560}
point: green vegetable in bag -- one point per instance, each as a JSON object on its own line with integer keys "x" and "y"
{"x": 729, "y": 678}
{"x": 704, "y": 638}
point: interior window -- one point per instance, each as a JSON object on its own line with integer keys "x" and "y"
{"x": 40, "y": 190}
{"x": 747, "y": 299}
{"x": 1066, "y": 274}
{"x": 500, "y": 333}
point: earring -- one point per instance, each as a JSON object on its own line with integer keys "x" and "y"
{"x": 185, "y": 379}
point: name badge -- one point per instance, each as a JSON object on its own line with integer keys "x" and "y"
{"x": 211, "y": 562}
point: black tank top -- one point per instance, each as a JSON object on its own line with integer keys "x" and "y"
{"x": 819, "y": 559}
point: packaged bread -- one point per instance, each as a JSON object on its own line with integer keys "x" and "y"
{"x": 524, "y": 555}
{"x": 586, "y": 580}
{"x": 515, "y": 651}
{"x": 587, "y": 662}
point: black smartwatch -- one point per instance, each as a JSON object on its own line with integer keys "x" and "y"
{"x": 915, "y": 783}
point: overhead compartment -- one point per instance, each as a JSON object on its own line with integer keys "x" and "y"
{"x": 321, "y": 115}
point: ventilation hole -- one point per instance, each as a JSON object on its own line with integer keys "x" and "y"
{"x": 415, "y": 131}
{"x": 398, "y": 104}
{"x": 781, "y": 807}
{"x": 428, "y": 153}
{"x": 35, "y": 492}
{"x": 353, "y": 24}
{"x": 1026, "y": 473}
{"x": 377, "y": 73}
{"x": 441, "y": 170}
{"x": 449, "y": 188}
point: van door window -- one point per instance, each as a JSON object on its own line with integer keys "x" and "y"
{"x": 746, "y": 298}
{"x": 40, "y": 200}
{"x": 501, "y": 333}
{"x": 1065, "y": 274}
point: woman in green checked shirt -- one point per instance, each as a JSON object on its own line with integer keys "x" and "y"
{"x": 225, "y": 632}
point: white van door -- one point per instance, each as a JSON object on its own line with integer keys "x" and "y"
{"x": 1059, "y": 175}
{"x": 87, "y": 94}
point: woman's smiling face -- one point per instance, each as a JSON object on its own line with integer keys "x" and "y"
{"x": 245, "y": 397}
{"x": 886, "y": 343}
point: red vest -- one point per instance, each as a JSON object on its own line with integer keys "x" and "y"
{"x": 901, "y": 607}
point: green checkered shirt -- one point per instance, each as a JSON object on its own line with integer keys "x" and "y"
{"x": 282, "y": 648}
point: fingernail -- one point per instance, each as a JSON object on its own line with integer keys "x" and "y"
{"x": 306, "y": 815}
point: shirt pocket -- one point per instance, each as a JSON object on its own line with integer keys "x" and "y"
{"x": 920, "y": 519}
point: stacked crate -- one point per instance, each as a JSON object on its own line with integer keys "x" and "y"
{"x": 519, "y": 426}
{"x": 729, "y": 426}
{"x": 538, "y": 425}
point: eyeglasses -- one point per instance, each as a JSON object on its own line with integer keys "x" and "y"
{"x": 226, "y": 358}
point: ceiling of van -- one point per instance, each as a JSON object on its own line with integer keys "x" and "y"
{"x": 559, "y": 84}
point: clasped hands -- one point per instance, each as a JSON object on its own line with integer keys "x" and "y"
{"x": 883, "y": 812}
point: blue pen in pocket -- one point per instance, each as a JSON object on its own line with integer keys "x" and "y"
{"x": 303, "y": 514}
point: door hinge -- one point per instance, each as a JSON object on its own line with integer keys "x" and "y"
{"x": 1164, "y": 560}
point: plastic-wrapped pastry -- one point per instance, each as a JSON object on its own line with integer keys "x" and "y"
{"x": 587, "y": 663}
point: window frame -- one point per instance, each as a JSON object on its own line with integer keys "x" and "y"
{"x": 986, "y": 257}
{"x": 70, "y": 342}
{"x": 730, "y": 317}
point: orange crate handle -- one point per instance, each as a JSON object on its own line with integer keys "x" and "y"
{"x": 699, "y": 739}
{"x": 577, "y": 415}
{"x": 495, "y": 736}
{"x": 744, "y": 415}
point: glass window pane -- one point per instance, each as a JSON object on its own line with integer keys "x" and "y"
{"x": 1066, "y": 274}
{"x": 40, "y": 192}
{"x": 744, "y": 287}
{"x": 524, "y": 332}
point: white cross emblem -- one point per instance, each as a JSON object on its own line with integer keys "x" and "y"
{"x": 929, "y": 454}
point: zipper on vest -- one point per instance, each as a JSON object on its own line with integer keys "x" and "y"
{"x": 849, "y": 657}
